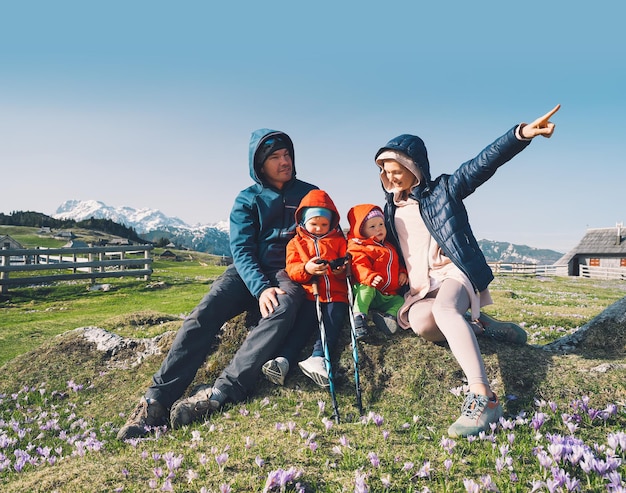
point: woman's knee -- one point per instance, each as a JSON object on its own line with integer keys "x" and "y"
{"x": 425, "y": 327}
{"x": 429, "y": 333}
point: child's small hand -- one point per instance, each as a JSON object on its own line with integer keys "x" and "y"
{"x": 376, "y": 281}
{"x": 403, "y": 279}
{"x": 316, "y": 267}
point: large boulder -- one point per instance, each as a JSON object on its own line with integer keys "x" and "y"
{"x": 605, "y": 333}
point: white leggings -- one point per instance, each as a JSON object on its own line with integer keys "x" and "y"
{"x": 440, "y": 317}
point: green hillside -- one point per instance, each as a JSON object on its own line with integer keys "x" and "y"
{"x": 62, "y": 401}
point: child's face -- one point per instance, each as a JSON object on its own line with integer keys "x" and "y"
{"x": 317, "y": 225}
{"x": 375, "y": 228}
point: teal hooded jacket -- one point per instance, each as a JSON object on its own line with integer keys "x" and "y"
{"x": 262, "y": 220}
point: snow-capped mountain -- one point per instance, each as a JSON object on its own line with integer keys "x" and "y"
{"x": 499, "y": 251}
{"x": 152, "y": 224}
{"x": 142, "y": 220}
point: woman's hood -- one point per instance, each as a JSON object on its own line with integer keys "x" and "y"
{"x": 412, "y": 147}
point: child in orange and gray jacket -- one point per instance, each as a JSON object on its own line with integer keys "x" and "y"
{"x": 376, "y": 269}
{"x": 316, "y": 254}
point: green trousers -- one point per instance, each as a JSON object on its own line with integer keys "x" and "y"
{"x": 367, "y": 298}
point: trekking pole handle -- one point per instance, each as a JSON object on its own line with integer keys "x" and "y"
{"x": 315, "y": 287}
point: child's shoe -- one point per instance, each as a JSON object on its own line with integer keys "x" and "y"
{"x": 477, "y": 414}
{"x": 360, "y": 327}
{"x": 275, "y": 370}
{"x": 314, "y": 367}
{"x": 384, "y": 322}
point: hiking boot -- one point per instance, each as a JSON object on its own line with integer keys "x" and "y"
{"x": 477, "y": 414}
{"x": 146, "y": 415}
{"x": 500, "y": 331}
{"x": 275, "y": 370}
{"x": 384, "y": 322}
{"x": 360, "y": 327}
{"x": 201, "y": 403}
{"x": 314, "y": 367}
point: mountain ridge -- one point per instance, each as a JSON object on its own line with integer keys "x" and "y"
{"x": 152, "y": 224}
{"x": 500, "y": 251}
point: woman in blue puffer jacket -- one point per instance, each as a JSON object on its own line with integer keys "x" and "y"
{"x": 448, "y": 274}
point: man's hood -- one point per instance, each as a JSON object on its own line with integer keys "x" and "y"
{"x": 256, "y": 141}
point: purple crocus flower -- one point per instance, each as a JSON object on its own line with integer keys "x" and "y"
{"x": 360, "y": 486}
{"x": 538, "y": 420}
{"x": 172, "y": 461}
{"x": 615, "y": 440}
{"x": 281, "y": 478}
{"x": 447, "y": 444}
{"x": 544, "y": 459}
{"x": 221, "y": 460}
{"x": 386, "y": 481}
{"x": 488, "y": 484}
{"x": 471, "y": 486}
{"x": 424, "y": 471}
{"x": 374, "y": 460}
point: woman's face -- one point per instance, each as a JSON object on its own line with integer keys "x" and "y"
{"x": 400, "y": 178}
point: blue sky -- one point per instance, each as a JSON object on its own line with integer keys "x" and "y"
{"x": 150, "y": 104}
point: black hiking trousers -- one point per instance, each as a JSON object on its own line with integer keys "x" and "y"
{"x": 227, "y": 298}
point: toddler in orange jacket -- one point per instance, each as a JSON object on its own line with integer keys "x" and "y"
{"x": 316, "y": 253}
{"x": 376, "y": 269}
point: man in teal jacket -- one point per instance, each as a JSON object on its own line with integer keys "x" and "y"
{"x": 262, "y": 222}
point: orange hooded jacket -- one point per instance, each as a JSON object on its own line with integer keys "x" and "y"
{"x": 371, "y": 258}
{"x": 304, "y": 246}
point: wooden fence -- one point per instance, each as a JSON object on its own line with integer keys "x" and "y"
{"x": 602, "y": 272}
{"x": 73, "y": 263}
{"x": 618, "y": 273}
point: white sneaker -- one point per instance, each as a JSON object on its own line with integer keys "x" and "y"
{"x": 275, "y": 370}
{"x": 314, "y": 367}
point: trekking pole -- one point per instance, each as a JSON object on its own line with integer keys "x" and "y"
{"x": 355, "y": 344}
{"x": 331, "y": 382}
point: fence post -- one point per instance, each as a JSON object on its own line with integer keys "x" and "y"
{"x": 146, "y": 256}
{"x": 4, "y": 260}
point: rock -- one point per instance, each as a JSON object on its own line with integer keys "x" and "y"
{"x": 122, "y": 352}
{"x": 606, "y": 332}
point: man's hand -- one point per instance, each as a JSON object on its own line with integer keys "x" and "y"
{"x": 269, "y": 300}
{"x": 541, "y": 126}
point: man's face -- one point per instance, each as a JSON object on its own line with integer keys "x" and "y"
{"x": 278, "y": 168}
{"x": 375, "y": 228}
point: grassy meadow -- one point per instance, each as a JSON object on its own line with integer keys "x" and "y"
{"x": 62, "y": 401}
